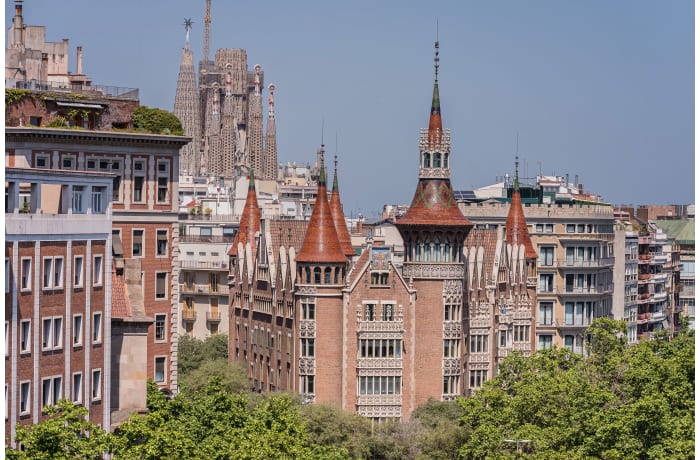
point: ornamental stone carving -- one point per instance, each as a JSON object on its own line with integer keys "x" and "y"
{"x": 379, "y": 372}
{"x": 307, "y": 366}
{"x": 306, "y": 290}
{"x": 379, "y": 400}
{"x": 434, "y": 173}
{"x": 436, "y": 270}
{"x": 452, "y": 288}
{"x": 478, "y": 358}
{"x": 307, "y": 328}
{"x": 452, "y": 330}
{"x": 451, "y": 366}
{"x": 379, "y": 335}
{"x": 381, "y": 363}
{"x": 380, "y": 326}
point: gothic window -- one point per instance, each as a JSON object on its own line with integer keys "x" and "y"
{"x": 327, "y": 275}
{"x": 426, "y": 160}
{"x": 437, "y": 160}
{"x": 445, "y": 164}
{"x": 317, "y": 275}
{"x": 369, "y": 311}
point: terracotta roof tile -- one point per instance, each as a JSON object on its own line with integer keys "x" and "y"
{"x": 341, "y": 227}
{"x": 516, "y": 227}
{"x": 250, "y": 220}
{"x": 120, "y": 302}
{"x": 287, "y": 233}
{"x": 434, "y": 204}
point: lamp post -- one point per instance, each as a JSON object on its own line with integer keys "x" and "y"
{"x": 518, "y": 443}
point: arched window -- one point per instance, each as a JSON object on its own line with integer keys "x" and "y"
{"x": 426, "y": 160}
{"x": 437, "y": 160}
{"x": 448, "y": 252}
{"x": 327, "y": 275}
{"x": 445, "y": 160}
{"x": 426, "y": 251}
{"x": 317, "y": 275}
{"x": 437, "y": 254}
{"x": 336, "y": 272}
{"x": 308, "y": 274}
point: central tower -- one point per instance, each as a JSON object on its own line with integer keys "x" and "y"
{"x": 434, "y": 230}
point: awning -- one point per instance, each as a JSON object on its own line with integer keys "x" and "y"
{"x": 81, "y": 105}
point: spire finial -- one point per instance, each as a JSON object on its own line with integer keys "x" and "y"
{"x": 516, "y": 181}
{"x": 322, "y": 167}
{"x": 437, "y": 49}
{"x": 251, "y": 183}
{"x": 335, "y": 164}
{"x": 188, "y": 26}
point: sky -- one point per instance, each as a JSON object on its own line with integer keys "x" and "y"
{"x": 603, "y": 90}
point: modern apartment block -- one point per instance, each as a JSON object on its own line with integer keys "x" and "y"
{"x": 58, "y": 254}
{"x": 574, "y": 244}
{"x": 144, "y": 235}
{"x": 626, "y": 276}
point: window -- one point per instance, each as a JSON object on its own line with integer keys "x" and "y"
{"x": 450, "y": 384}
{"x": 307, "y": 347}
{"x": 477, "y": 378}
{"x": 387, "y": 312}
{"x": 545, "y": 313}
{"x": 479, "y": 343}
{"x": 549, "y": 228}
{"x": 25, "y": 336}
{"x": 139, "y": 180}
{"x": 77, "y": 200}
{"x": 77, "y": 330}
{"x": 204, "y": 231}
{"x": 317, "y": 275}
{"x": 547, "y": 256}
{"x": 96, "y": 327}
{"x": 162, "y": 189}
{"x": 7, "y": 338}
{"x": 51, "y": 391}
{"x": 160, "y": 369}
{"x": 161, "y": 291}
{"x": 26, "y": 282}
{"x": 52, "y": 333}
{"x": 379, "y": 278}
{"x": 544, "y": 342}
{"x": 78, "y": 271}
{"x": 24, "y": 404}
{"x": 213, "y": 282}
{"x": 452, "y": 311}
{"x": 369, "y": 311}
{"x": 539, "y": 228}
{"x": 307, "y": 384}
{"x": 546, "y": 283}
{"x": 97, "y": 200}
{"x": 58, "y": 272}
{"x": 570, "y": 228}
{"x": 377, "y": 385}
{"x": 96, "y": 384}
{"x": 450, "y": 348}
{"x": 42, "y": 161}
{"x": 7, "y": 275}
{"x": 97, "y": 271}
{"x": 68, "y": 163}
{"x": 161, "y": 243}
{"x": 137, "y": 243}
{"x": 48, "y": 272}
{"x": 308, "y": 310}
{"x": 573, "y": 343}
{"x": 521, "y": 333}
{"x": 160, "y": 333}
{"x": 77, "y": 387}
{"x": 380, "y": 348}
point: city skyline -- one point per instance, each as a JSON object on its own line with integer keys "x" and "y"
{"x": 596, "y": 90}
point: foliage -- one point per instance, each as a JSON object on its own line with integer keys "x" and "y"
{"x": 157, "y": 121}
{"x": 57, "y": 122}
{"x": 192, "y": 352}
{"x": 233, "y": 377}
{"x": 619, "y": 402}
{"x": 13, "y": 95}
{"x": 66, "y": 434}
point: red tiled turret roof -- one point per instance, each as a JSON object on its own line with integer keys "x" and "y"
{"x": 341, "y": 227}
{"x": 250, "y": 220}
{"x": 321, "y": 243}
{"x": 516, "y": 227}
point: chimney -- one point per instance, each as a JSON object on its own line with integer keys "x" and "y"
{"x": 44, "y": 67}
{"x": 79, "y": 62}
{"x": 19, "y": 25}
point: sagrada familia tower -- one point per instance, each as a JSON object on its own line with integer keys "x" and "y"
{"x": 224, "y": 114}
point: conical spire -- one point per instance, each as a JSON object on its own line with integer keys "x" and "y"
{"x": 435, "y": 124}
{"x": 271, "y": 136}
{"x": 516, "y": 226}
{"x": 187, "y": 108}
{"x": 250, "y": 219}
{"x": 341, "y": 227}
{"x": 321, "y": 243}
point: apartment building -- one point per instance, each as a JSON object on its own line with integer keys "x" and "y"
{"x": 626, "y": 275}
{"x": 58, "y": 254}
{"x": 145, "y": 232}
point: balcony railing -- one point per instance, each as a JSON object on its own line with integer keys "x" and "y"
{"x": 189, "y": 315}
{"x": 204, "y": 265}
{"x": 592, "y": 290}
{"x": 380, "y": 326}
{"x": 213, "y": 316}
{"x": 206, "y": 239}
{"x": 596, "y": 263}
{"x": 220, "y": 289}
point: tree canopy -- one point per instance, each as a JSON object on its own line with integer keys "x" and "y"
{"x": 156, "y": 121}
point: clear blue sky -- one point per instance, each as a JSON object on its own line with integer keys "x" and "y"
{"x": 596, "y": 88}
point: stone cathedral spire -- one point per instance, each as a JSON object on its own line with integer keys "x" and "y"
{"x": 187, "y": 108}
{"x": 255, "y": 137}
{"x": 271, "y": 137}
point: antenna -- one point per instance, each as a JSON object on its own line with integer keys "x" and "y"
{"x": 322, "y": 123}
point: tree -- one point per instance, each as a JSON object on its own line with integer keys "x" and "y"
{"x": 66, "y": 434}
{"x": 233, "y": 377}
{"x": 192, "y": 352}
{"x": 157, "y": 121}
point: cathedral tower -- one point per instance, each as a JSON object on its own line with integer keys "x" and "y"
{"x": 271, "y": 137}
{"x": 434, "y": 231}
{"x": 187, "y": 109}
{"x": 255, "y": 125}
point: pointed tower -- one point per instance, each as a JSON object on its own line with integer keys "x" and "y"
{"x": 341, "y": 227}
{"x": 187, "y": 108}
{"x": 321, "y": 270}
{"x": 255, "y": 136}
{"x": 516, "y": 227}
{"x": 434, "y": 231}
{"x": 250, "y": 220}
{"x": 271, "y": 137}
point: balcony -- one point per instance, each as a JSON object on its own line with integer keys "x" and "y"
{"x": 214, "y": 316}
{"x": 379, "y": 363}
{"x": 592, "y": 290}
{"x": 596, "y": 263}
{"x": 578, "y": 323}
{"x": 204, "y": 265}
{"x": 644, "y": 259}
{"x": 644, "y": 239}
{"x": 189, "y": 315}
{"x": 380, "y": 326}
{"x": 379, "y": 400}
{"x": 208, "y": 289}
{"x": 226, "y": 239}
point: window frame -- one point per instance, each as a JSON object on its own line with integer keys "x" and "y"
{"x": 28, "y": 278}
{"x": 78, "y": 272}
{"x": 79, "y": 387}
{"x": 28, "y": 342}
{"x": 77, "y": 326}
{"x": 164, "y": 317}
{"x": 160, "y": 231}
{"x": 97, "y": 280}
{"x": 28, "y": 401}
{"x": 142, "y": 249}
{"x": 165, "y": 286}
{"x": 96, "y": 390}
{"x": 96, "y": 329}
{"x": 162, "y": 359}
